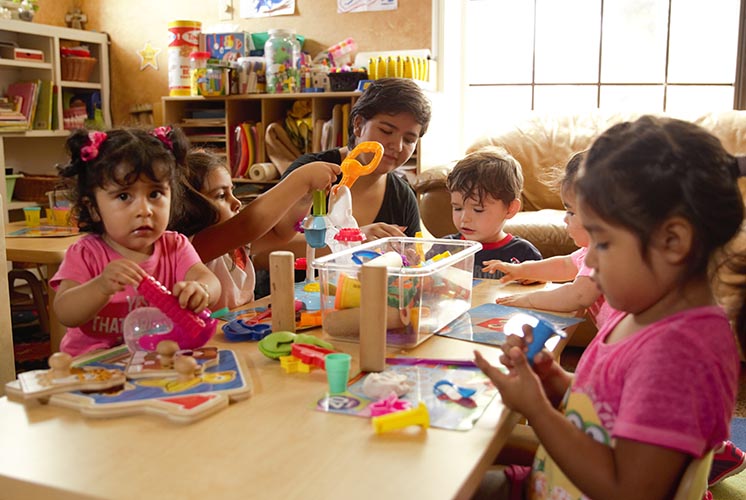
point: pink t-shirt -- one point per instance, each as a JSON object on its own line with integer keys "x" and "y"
{"x": 672, "y": 384}
{"x": 599, "y": 310}
{"x": 172, "y": 257}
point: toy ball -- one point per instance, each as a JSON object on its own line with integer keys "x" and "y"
{"x": 144, "y": 321}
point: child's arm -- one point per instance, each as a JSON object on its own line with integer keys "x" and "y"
{"x": 271, "y": 216}
{"x": 77, "y": 303}
{"x": 628, "y": 470}
{"x": 557, "y": 268}
{"x": 200, "y": 288}
{"x": 569, "y": 297}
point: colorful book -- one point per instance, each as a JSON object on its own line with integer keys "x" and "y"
{"x": 43, "y": 116}
{"x": 27, "y": 92}
{"x": 486, "y": 324}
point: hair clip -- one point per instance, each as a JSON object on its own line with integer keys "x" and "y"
{"x": 161, "y": 133}
{"x": 90, "y": 151}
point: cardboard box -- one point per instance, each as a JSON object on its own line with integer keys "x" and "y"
{"x": 21, "y": 54}
{"x": 228, "y": 46}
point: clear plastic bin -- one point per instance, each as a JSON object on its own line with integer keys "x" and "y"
{"x": 421, "y": 300}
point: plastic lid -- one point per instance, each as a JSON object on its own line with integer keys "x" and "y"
{"x": 281, "y": 31}
{"x": 199, "y": 55}
{"x": 349, "y": 234}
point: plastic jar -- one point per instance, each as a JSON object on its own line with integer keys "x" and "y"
{"x": 197, "y": 70}
{"x": 282, "y": 57}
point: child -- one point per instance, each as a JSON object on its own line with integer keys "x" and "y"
{"x": 582, "y": 292}
{"x": 124, "y": 185}
{"x": 657, "y": 385}
{"x": 223, "y": 231}
{"x": 485, "y": 189}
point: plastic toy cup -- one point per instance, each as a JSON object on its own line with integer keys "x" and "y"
{"x": 337, "y": 371}
{"x": 61, "y": 216}
{"x": 33, "y": 216}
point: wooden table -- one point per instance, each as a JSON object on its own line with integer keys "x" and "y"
{"x": 273, "y": 445}
{"x": 45, "y": 251}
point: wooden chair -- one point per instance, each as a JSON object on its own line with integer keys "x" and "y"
{"x": 36, "y": 300}
{"x": 693, "y": 483}
{"x": 7, "y": 363}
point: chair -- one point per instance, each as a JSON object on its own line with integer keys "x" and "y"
{"x": 693, "y": 483}
{"x": 35, "y": 301}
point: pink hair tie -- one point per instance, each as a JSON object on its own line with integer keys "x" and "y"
{"x": 161, "y": 133}
{"x": 90, "y": 151}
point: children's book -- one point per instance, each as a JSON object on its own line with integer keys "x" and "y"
{"x": 43, "y": 116}
{"x": 422, "y": 376}
{"x": 485, "y": 324}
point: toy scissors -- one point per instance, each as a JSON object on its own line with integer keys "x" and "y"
{"x": 352, "y": 169}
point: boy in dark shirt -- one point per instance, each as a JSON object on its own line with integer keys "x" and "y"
{"x": 485, "y": 189}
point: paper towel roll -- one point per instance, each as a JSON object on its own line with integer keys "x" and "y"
{"x": 263, "y": 172}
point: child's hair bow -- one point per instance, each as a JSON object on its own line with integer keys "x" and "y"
{"x": 90, "y": 151}
{"x": 161, "y": 133}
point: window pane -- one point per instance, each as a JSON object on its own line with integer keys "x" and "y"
{"x": 575, "y": 98}
{"x": 485, "y": 108}
{"x": 699, "y": 98}
{"x": 499, "y": 41}
{"x": 632, "y": 97}
{"x": 704, "y": 40}
{"x": 634, "y": 41}
{"x": 567, "y": 41}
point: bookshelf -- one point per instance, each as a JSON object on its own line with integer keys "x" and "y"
{"x": 38, "y": 150}
{"x": 210, "y": 122}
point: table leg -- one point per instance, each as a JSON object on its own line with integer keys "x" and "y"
{"x": 56, "y": 329}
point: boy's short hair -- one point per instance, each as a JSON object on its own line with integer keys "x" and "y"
{"x": 488, "y": 171}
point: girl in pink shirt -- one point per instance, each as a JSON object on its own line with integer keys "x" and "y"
{"x": 657, "y": 386}
{"x": 124, "y": 183}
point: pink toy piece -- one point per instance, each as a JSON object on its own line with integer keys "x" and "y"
{"x": 310, "y": 354}
{"x": 299, "y": 306}
{"x": 389, "y": 404}
{"x": 190, "y": 330}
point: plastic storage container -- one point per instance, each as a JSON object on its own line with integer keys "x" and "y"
{"x": 282, "y": 57}
{"x": 421, "y": 300}
{"x": 197, "y": 70}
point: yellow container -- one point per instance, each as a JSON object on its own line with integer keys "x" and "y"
{"x": 183, "y": 39}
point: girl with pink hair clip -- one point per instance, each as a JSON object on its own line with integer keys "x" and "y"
{"x": 124, "y": 188}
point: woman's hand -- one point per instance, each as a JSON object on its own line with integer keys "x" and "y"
{"x": 379, "y": 230}
{"x": 117, "y": 275}
{"x": 192, "y": 295}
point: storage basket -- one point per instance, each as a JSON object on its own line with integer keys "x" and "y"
{"x": 346, "y": 80}
{"x": 35, "y": 187}
{"x": 77, "y": 69}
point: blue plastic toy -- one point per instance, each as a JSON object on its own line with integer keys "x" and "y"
{"x": 542, "y": 331}
{"x": 239, "y": 330}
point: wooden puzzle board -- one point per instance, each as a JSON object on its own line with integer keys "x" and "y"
{"x": 177, "y": 400}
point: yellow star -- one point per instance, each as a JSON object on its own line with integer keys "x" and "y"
{"x": 148, "y": 56}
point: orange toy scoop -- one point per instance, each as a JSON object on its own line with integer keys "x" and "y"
{"x": 352, "y": 169}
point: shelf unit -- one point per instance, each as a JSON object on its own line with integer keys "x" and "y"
{"x": 220, "y": 116}
{"x": 39, "y": 151}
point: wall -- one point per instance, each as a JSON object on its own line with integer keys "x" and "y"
{"x": 133, "y": 23}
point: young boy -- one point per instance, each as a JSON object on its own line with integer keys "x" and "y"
{"x": 485, "y": 189}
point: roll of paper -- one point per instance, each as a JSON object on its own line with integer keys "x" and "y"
{"x": 263, "y": 172}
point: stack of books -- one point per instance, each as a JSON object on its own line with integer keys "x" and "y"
{"x": 27, "y": 105}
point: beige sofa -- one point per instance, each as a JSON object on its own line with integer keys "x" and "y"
{"x": 543, "y": 143}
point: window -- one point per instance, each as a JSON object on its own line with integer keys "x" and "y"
{"x": 575, "y": 55}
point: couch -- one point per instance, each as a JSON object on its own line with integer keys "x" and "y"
{"x": 542, "y": 144}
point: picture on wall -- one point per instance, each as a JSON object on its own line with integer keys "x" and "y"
{"x": 266, "y": 8}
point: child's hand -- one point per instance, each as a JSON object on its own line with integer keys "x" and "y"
{"x": 192, "y": 295}
{"x": 379, "y": 230}
{"x": 543, "y": 360}
{"x": 117, "y": 275}
{"x": 511, "y": 272}
{"x": 517, "y": 300}
{"x": 520, "y": 388}
{"x": 317, "y": 175}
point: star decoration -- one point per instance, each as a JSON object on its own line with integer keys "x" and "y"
{"x": 148, "y": 56}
